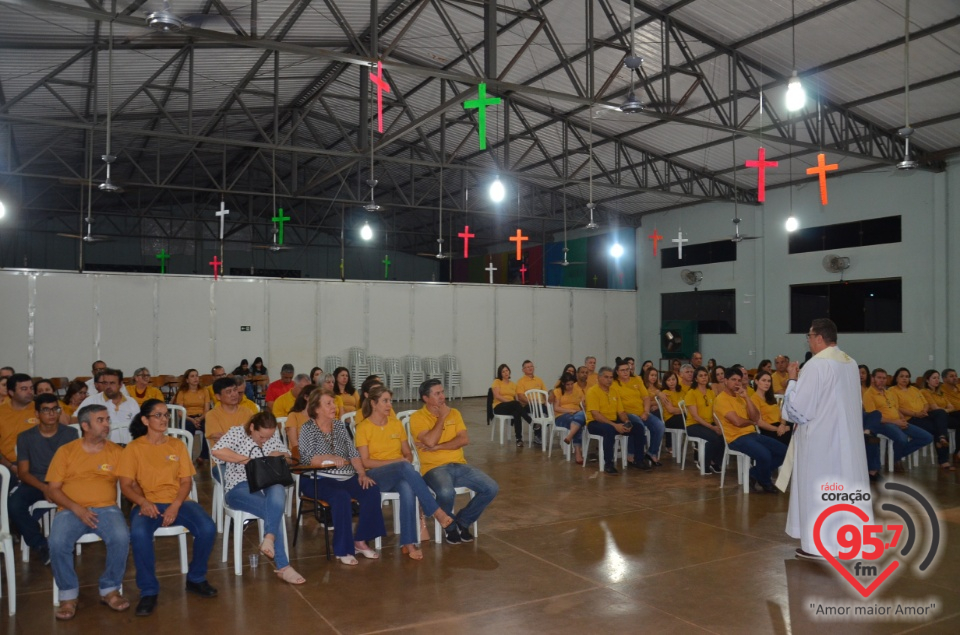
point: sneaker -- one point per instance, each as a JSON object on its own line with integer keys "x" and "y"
{"x": 465, "y": 535}
{"x": 610, "y": 469}
{"x": 519, "y": 443}
{"x": 453, "y": 536}
{"x": 537, "y": 440}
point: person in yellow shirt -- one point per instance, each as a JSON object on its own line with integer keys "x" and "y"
{"x": 951, "y": 387}
{"x": 141, "y": 389}
{"x": 687, "y": 374}
{"x": 917, "y": 411}
{"x": 606, "y": 419}
{"x": 933, "y": 392}
{"x": 738, "y": 417}
{"x": 5, "y": 372}
{"x": 529, "y": 381}
{"x": 669, "y": 397}
{"x": 567, "y": 400}
{"x": 156, "y": 475}
{"x": 386, "y": 455}
{"x": 16, "y": 415}
{"x": 699, "y": 404}
{"x": 216, "y": 373}
{"x": 780, "y": 377}
{"x": 245, "y": 402}
{"x": 771, "y": 423}
{"x": 582, "y": 374}
{"x": 592, "y": 376}
{"x": 348, "y": 399}
{"x": 228, "y": 414}
{"x": 440, "y": 435}
{"x": 82, "y": 481}
{"x": 76, "y": 394}
{"x": 283, "y": 403}
{"x": 296, "y": 418}
{"x": 193, "y": 397}
{"x": 906, "y": 437}
{"x": 635, "y": 401}
{"x": 505, "y": 402}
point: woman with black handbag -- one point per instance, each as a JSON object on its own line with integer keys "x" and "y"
{"x": 234, "y": 451}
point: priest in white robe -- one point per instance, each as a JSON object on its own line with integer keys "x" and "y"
{"x": 830, "y": 459}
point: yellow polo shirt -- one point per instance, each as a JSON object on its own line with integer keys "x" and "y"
{"x": 508, "y": 392}
{"x": 703, "y": 402}
{"x": 769, "y": 413}
{"x": 779, "y": 382}
{"x": 246, "y": 403}
{"x": 909, "y": 398}
{"x": 283, "y": 404}
{"x": 156, "y": 468}
{"x": 89, "y": 480}
{"x": 606, "y": 403}
{"x": 384, "y": 443}
{"x": 571, "y": 400}
{"x": 218, "y": 421}
{"x": 873, "y": 399}
{"x": 952, "y": 393}
{"x": 422, "y": 421}
{"x": 347, "y": 402}
{"x": 526, "y": 383}
{"x": 726, "y": 403}
{"x": 592, "y": 380}
{"x": 632, "y": 394}
{"x": 12, "y": 423}
{"x": 937, "y": 401}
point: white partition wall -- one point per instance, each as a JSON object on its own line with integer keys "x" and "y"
{"x": 57, "y": 323}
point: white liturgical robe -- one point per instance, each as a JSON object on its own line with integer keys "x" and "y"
{"x": 830, "y": 459}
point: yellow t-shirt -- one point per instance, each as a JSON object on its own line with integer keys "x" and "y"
{"x": 675, "y": 398}
{"x": 936, "y": 401}
{"x": 295, "y": 421}
{"x": 383, "y": 442}
{"x": 283, "y": 404}
{"x": 508, "y": 392}
{"x": 703, "y": 402}
{"x": 218, "y": 421}
{"x": 525, "y": 383}
{"x": 571, "y": 400}
{"x": 212, "y": 396}
{"x": 592, "y": 380}
{"x": 779, "y": 382}
{"x": 909, "y": 398}
{"x": 246, "y": 403}
{"x": 769, "y": 413}
{"x": 632, "y": 395}
{"x": 606, "y": 403}
{"x": 156, "y": 468}
{"x": 422, "y": 421}
{"x": 12, "y": 423}
{"x": 952, "y": 393}
{"x": 728, "y": 403}
{"x": 873, "y": 399}
{"x": 684, "y": 388}
{"x": 347, "y": 402}
{"x": 67, "y": 408}
{"x": 150, "y": 393}
{"x": 89, "y": 480}
{"x": 193, "y": 401}
{"x": 357, "y": 419}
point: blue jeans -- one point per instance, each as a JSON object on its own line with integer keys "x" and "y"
{"x": 768, "y": 454}
{"x": 339, "y": 494}
{"x": 405, "y": 480}
{"x": 656, "y": 427}
{"x": 937, "y": 424}
{"x": 905, "y": 441}
{"x": 66, "y": 529}
{"x": 570, "y": 419}
{"x": 444, "y": 478}
{"x": 267, "y": 504}
{"x": 197, "y": 522}
{"x": 20, "y": 518}
{"x": 608, "y": 435}
{"x": 714, "y": 449}
{"x": 871, "y": 422}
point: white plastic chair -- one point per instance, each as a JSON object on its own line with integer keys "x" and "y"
{"x": 239, "y": 519}
{"x": 179, "y": 530}
{"x": 541, "y": 413}
{"x": 437, "y": 528}
{"x": 504, "y": 421}
{"x": 431, "y": 367}
{"x": 49, "y": 510}
{"x": 6, "y": 543}
{"x": 619, "y": 447}
{"x": 699, "y": 444}
{"x": 178, "y": 416}
{"x": 450, "y": 367}
{"x": 676, "y": 436}
{"x": 395, "y": 379}
{"x": 375, "y": 364}
{"x": 743, "y": 462}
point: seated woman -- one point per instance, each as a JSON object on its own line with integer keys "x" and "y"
{"x": 933, "y": 392}
{"x": 864, "y": 378}
{"x": 324, "y": 442}
{"x": 647, "y": 364}
{"x": 717, "y": 375}
{"x": 700, "y": 424}
{"x": 257, "y": 369}
{"x": 76, "y": 393}
{"x": 385, "y": 453}
{"x": 296, "y": 418}
{"x": 669, "y": 396}
{"x": 156, "y": 475}
{"x": 348, "y": 399}
{"x": 243, "y": 369}
{"x": 568, "y": 410}
{"x": 368, "y": 383}
{"x": 915, "y": 409}
{"x": 569, "y": 368}
{"x": 192, "y": 397}
{"x": 44, "y": 387}
{"x": 141, "y": 390}
{"x": 233, "y": 451}
{"x": 505, "y": 402}
{"x": 316, "y": 375}
{"x": 771, "y": 424}
{"x": 635, "y": 401}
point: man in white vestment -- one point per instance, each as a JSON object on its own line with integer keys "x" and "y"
{"x": 825, "y": 405}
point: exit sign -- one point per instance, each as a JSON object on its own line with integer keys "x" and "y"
{"x": 244, "y": 328}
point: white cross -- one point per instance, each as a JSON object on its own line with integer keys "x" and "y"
{"x": 491, "y": 269}
{"x": 680, "y": 240}
{"x": 223, "y": 212}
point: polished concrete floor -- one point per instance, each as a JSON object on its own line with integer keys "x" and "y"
{"x": 563, "y": 549}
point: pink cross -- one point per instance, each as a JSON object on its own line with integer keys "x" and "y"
{"x": 382, "y": 87}
{"x": 216, "y": 267}
{"x": 523, "y": 274}
{"x": 466, "y": 235}
{"x": 761, "y": 164}
{"x": 656, "y": 238}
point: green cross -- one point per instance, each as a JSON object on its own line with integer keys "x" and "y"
{"x": 281, "y": 219}
{"x": 481, "y": 104}
{"x": 594, "y": 281}
{"x": 386, "y": 266}
{"x": 162, "y": 257}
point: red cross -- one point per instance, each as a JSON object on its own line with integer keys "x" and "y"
{"x": 382, "y": 87}
{"x": 523, "y": 274}
{"x": 519, "y": 238}
{"x": 466, "y": 235}
{"x": 216, "y": 267}
{"x": 822, "y": 170}
{"x": 762, "y": 164}
{"x": 656, "y": 238}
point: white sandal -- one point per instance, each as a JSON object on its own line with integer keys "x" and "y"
{"x": 350, "y": 560}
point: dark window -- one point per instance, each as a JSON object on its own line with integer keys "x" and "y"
{"x": 701, "y": 254}
{"x": 264, "y": 273}
{"x": 874, "y": 231}
{"x": 714, "y": 311}
{"x": 861, "y": 306}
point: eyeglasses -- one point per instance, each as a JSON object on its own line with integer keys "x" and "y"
{"x": 160, "y": 415}
{"x": 54, "y": 410}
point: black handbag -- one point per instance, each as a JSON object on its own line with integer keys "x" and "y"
{"x": 264, "y": 471}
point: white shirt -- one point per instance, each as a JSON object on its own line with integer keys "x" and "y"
{"x": 120, "y": 415}
{"x": 92, "y": 388}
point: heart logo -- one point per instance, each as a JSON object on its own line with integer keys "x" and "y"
{"x": 859, "y": 513}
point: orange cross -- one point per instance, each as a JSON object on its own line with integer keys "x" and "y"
{"x": 822, "y": 170}
{"x": 519, "y": 238}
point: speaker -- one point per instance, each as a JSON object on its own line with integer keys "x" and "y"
{"x": 679, "y": 339}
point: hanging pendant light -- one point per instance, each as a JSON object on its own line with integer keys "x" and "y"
{"x": 796, "y": 96}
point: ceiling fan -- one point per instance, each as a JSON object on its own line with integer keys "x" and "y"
{"x": 440, "y": 255}
{"x": 590, "y": 204}
{"x": 88, "y": 236}
{"x": 737, "y": 236}
{"x": 274, "y": 246}
{"x": 566, "y": 250}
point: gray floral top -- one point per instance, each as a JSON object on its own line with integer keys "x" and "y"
{"x": 237, "y": 439}
{"x": 314, "y": 442}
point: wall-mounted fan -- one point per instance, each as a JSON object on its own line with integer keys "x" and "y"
{"x": 833, "y": 263}
{"x": 693, "y": 278}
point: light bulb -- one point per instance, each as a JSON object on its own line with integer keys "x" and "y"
{"x": 3, "y": 210}
{"x": 497, "y": 191}
{"x": 792, "y": 223}
{"x": 365, "y": 232}
{"x": 616, "y": 250}
{"x": 796, "y": 96}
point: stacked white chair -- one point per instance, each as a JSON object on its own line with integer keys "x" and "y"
{"x": 431, "y": 368}
{"x": 6, "y": 543}
{"x": 358, "y": 366}
{"x": 450, "y": 368}
{"x": 413, "y": 374}
{"x": 331, "y": 363}
{"x": 376, "y": 366}
{"x": 395, "y": 379}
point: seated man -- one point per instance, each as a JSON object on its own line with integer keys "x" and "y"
{"x": 17, "y": 414}
{"x": 906, "y": 437}
{"x": 216, "y": 373}
{"x": 247, "y": 394}
{"x": 156, "y": 475}
{"x": 5, "y": 372}
{"x": 142, "y": 389}
{"x": 582, "y": 374}
{"x": 738, "y": 418}
{"x": 440, "y": 435}
{"x": 780, "y": 376}
{"x": 529, "y": 381}
{"x": 121, "y": 406}
{"x": 685, "y": 372}
{"x": 35, "y": 449}
{"x": 277, "y": 388}
{"x": 283, "y": 403}
{"x": 225, "y": 416}
{"x": 591, "y": 364}
{"x": 82, "y": 481}
{"x": 606, "y": 418}
{"x": 696, "y": 360}
{"x": 635, "y": 401}
{"x": 93, "y": 386}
